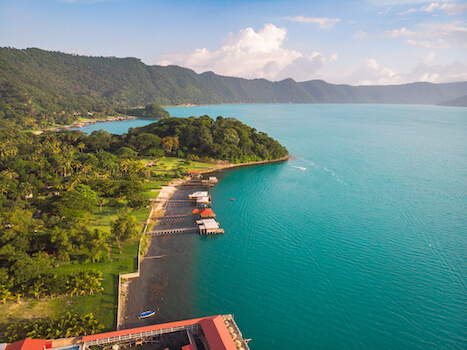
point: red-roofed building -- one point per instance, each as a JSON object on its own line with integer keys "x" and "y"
{"x": 188, "y": 347}
{"x": 27, "y": 344}
{"x": 206, "y": 333}
{"x": 207, "y": 213}
{"x": 217, "y": 333}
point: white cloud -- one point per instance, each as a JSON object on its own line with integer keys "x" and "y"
{"x": 430, "y": 8}
{"x": 322, "y": 21}
{"x": 250, "y": 54}
{"x": 438, "y": 44}
{"x": 403, "y": 32}
{"x": 436, "y": 34}
{"x": 372, "y": 74}
{"x": 403, "y": 13}
{"x": 450, "y": 8}
{"x": 454, "y": 9}
{"x": 396, "y": 2}
{"x": 361, "y": 34}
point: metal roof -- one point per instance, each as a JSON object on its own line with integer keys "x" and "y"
{"x": 217, "y": 334}
{"x": 27, "y": 344}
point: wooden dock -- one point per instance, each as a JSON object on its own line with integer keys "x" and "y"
{"x": 172, "y": 218}
{"x": 170, "y": 200}
{"x": 174, "y": 231}
{"x": 197, "y": 184}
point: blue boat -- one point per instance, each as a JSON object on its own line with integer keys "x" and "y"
{"x": 146, "y": 314}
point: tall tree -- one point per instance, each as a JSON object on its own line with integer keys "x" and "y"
{"x": 124, "y": 229}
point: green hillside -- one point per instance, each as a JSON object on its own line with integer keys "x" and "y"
{"x": 41, "y": 88}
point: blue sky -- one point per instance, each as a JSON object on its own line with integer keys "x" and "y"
{"x": 341, "y": 41}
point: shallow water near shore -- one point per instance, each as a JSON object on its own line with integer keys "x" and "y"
{"x": 358, "y": 242}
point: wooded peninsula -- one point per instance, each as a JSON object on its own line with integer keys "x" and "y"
{"x": 72, "y": 208}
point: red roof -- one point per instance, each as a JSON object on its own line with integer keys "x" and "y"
{"x": 27, "y": 344}
{"x": 194, "y": 172}
{"x": 217, "y": 334}
{"x": 214, "y": 329}
{"x": 154, "y": 327}
{"x": 207, "y": 211}
{"x": 189, "y": 347}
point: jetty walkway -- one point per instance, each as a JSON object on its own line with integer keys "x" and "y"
{"x": 173, "y": 231}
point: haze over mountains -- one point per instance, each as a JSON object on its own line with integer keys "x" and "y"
{"x": 55, "y": 81}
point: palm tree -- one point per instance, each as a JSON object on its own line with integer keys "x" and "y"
{"x": 37, "y": 289}
{"x": 101, "y": 201}
{"x": 5, "y": 293}
{"x": 15, "y": 332}
{"x": 81, "y": 146}
{"x": 36, "y": 329}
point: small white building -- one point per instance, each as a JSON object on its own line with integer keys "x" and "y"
{"x": 209, "y": 227}
{"x": 198, "y": 194}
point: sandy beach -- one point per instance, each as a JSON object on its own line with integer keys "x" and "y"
{"x": 157, "y": 288}
{"x": 156, "y": 282}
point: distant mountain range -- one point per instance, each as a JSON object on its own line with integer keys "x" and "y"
{"x": 47, "y": 86}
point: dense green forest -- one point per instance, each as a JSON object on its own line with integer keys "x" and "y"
{"x": 40, "y": 88}
{"x": 203, "y": 137}
{"x": 51, "y": 185}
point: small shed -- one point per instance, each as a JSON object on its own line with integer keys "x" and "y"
{"x": 195, "y": 174}
{"x": 197, "y": 194}
{"x": 203, "y": 202}
{"x": 209, "y": 227}
{"x": 207, "y": 213}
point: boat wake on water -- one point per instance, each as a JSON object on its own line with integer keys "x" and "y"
{"x": 335, "y": 175}
{"x": 299, "y": 167}
{"x": 317, "y": 167}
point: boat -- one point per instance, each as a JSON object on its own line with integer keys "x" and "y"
{"x": 232, "y": 199}
{"x": 146, "y": 314}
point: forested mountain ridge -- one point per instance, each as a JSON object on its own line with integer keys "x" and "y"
{"x": 39, "y": 88}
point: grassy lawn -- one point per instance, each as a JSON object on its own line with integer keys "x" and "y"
{"x": 172, "y": 164}
{"x": 103, "y": 305}
{"x": 141, "y": 214}
{"x": 101, "y": 219}
{"x": 151, "y": 188}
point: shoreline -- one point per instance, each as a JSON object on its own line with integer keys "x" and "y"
{"x": 223, "y": 166}
{"x": 83, "y": 123}
{"x": 147, "y": 288}
{"x": 158, "y": 249}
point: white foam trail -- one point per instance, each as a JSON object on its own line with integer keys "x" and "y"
{"x": 309, "y": 161}
{"x": 335, "y": 175}
{"x": 299, "y": 167}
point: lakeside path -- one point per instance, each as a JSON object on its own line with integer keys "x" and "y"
{"x": 147, "y": 292}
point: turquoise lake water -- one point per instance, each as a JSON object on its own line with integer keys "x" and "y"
{"x": 359, "y": 242}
